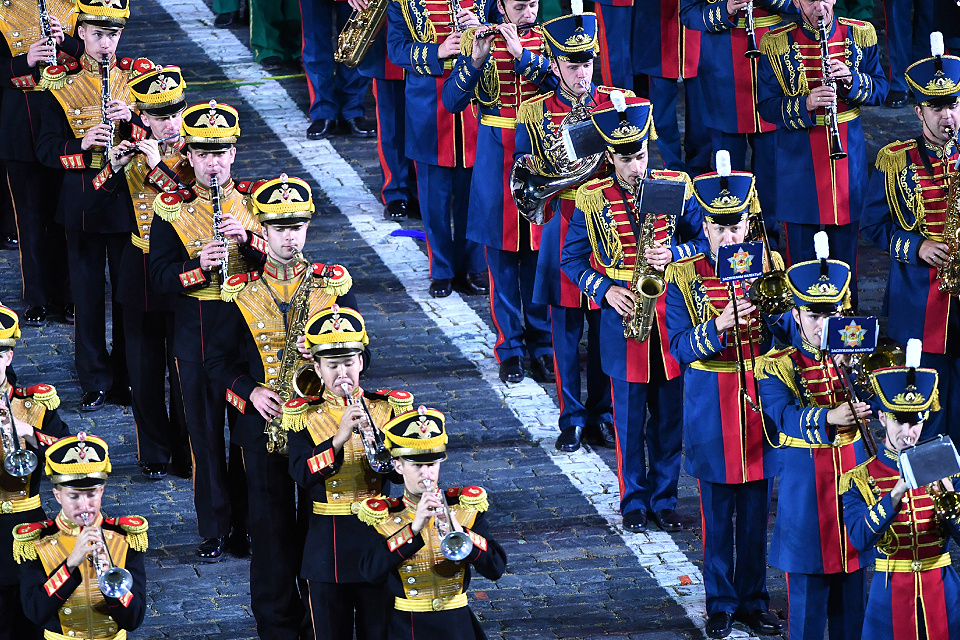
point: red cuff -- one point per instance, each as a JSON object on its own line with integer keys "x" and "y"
{"x": 43, "y": 438}
{"x": 400, "y": 537}
{"x": 103, "y": 176}
{"x": 478, "y": 540}
{"x": 239, "y": 403}
{"x": 191, "y": 278}
{"x": 74, "y": 161}
{"x": 258, "y": 243}
{"x": 137, "y": 132}
{"x": 56, "y": 580}
{"x": 24, "y": 82}
{"x": 162, "y": 180}
{"x": 321, "y": 461}
{"x": 126, "y": 598}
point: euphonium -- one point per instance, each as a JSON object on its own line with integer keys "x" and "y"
{"x": 647, "y": 285}
{"x": 949, "y": 272}
{"x": 114, "y": 581}
{"x": 372, "y": 438}
{"x": 359, "y": 32}
{"x": 454, "y": 545}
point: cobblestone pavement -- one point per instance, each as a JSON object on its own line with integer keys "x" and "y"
{"x": 572, "y": 571}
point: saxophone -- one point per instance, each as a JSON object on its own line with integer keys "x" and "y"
{"x": 647, "y": 285}
{"x": 949, "y": 272}
{"x": 358, "y": 34}
{"x": 296, "y": 325}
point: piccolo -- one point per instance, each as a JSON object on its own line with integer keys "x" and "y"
{"x": 491, "y": 29}
{"x": 133, "y": 150}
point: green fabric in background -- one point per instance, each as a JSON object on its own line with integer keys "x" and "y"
{"x": 275, "y": 29}
{"x": 225, "y": 6}
{"x": 550, "y": 9}
{"x": 856, "y": 9}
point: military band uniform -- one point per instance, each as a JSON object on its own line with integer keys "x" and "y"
{"x": 789, "y": 68}
{"x": 443, "y": 146}
{"x": 499, "y": 86}
{"x": 908, "y": 25}
{"x": 614, "y": 29}
{"x": 34, "y": 187}
{"x": 906, "y": 204}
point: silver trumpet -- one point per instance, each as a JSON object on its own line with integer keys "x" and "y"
{"x": 377, "y": 455}
{"x": 454, "y": 545}
{"x": 114, "y": 581}
{"x": 17, "y": 461}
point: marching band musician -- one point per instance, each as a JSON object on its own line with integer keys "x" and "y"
{"x": 73, "y": 136}
{"x": 571, "y": 43}
{"x": 725, "y": 444}
{"x": 61, "y": 560}
{"x": 185, "y": 259}
{"x": 500, "y": 71}
{"x": 34, "y": 188}
{"x": 905, "y": 214}
{"x": 249, "y": 356}
{"x": 600, "y": 255}
{"x": 37, "y": 426}
{"x": 914, "y": 589}
{"x": 793, "y": 95}
{"x": 424, "y": 38}
{"x": 329, "y": 460}
{"x": 412, "y": 540}
{"x": 804, "y": 396}
{"x": 137, "y": 174}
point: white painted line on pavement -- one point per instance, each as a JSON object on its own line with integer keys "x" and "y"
{"x": 537, "y": 412}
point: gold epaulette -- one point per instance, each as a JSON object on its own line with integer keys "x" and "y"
{"x": 860, "y": 477}
{"x": 294, "y": 412}
{"x": 167, "y": 206}
{"x": 779, "y": 364}
{"x": 676, "y": 176}
{"x": 135, "y": 528}
{"x": 375, "y": 511}
{"x": 473, "y": 498}
{"x": 590, "y": 198}
{"x": 466, "y": 41}
{"x": 605, "y": 90}
{"x": 234, "y": 285}
{"x": 337, "y": 279}
{"x": 892, "y": 159}
{"x": 864, "y": 35}
{"x": 684, "y": 270}
{"x": 24, "y": 537}
{"x": 776, "y": 42}
{"x": 45, "y": 394}
{"x": 400, "y": 401}
{"x": 531, "y": 111}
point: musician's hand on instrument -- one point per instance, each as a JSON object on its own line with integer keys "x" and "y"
{"x": 934, "y": 253}
{"x": 734, "y": 6}
{"x": 947, "y": 484}
{"x": 25, "y": 431}
{"x": 211, "y": 254}
{"x": 430, "y": 505}
{"x": 96, "y": 136}
{"x": 87, "y": 541}
{"x": 450, "y": 48}
{"x": 358, "y": 5}
{"x": 842, "y": 416}
{"x": 349, "y": 421}
{"x": 509, "y": 32}
{"x": 658, "y": 255}
{"x": 116, "y": 161}
{"x": 840, "y": 72}
{"x": 56, "y": 30}
{"x": 898, "y": 491}
{"x": 481, "y": 49}
{"x": 302, "y": 348}
{"x": 821, "y": 97}
{"x": 468, "y": 19}
{"x": 40, "y": 51}
{"x": 232, "y": 229}
{"x": 150, "y": 149}
{"x": 267, "y": 402}
{"x": 118, "y": 111}
{"x": 621, "y": 299}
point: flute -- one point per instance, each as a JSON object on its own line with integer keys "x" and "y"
{"x": 133, "y": 150}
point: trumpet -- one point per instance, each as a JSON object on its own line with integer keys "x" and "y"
{"x": 114, "y": 581}
{"x": 946, "y": 504}
{"x": 17, "y": 461}
{"x": 454, "y": 545}
{"x": 830, "y": 112}
{"x": 377, "y": 455}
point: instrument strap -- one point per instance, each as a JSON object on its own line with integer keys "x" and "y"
{"x": 924, "y": 156}
{"x": 632, "y": 216}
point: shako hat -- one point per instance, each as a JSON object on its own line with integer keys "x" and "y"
{"x": 210, "y": 126}
{"x": 336, "y": 331}
{"x": 284, "y": 200}
{"x": 81, "y": 461}
{"x": 417, "y": 435}
{"x": 158, "y": 90}
{"x": 726, "y": 197}
{"x": 110, "y": 14}
{"x": 573, "y": 37}
{"x": 909, "y": 392}
{"x": 624, "y": 123}
{"x": 935, "y": 81}
{"x": 9, "y": 328}
{"x": 820, "y": 285}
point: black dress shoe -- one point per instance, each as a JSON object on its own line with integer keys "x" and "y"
{"x": 239, "y": 544}
{"x": 211, "y": 549}
{"x": 359, "y": 128}
{"x": 181, "y": 468}
{"x": 319, "y": 128}
{"x": 895, "y": 100}
{"x": 569, "y": 439}
{"x": 154, "y": 470}
{"x": 763, "y": 623}
{"x": 601, "y": 435}
{"x": 224, "y": 20}
{"x": 511, "y": 370}
{"x": 635, "y": 521}
{"x": 668, "y": 520}
{"x": 542, "y": 369}
{"x": 272, "y": 63}
{"x": 10, "y": 242}
{"x": 719, "y": 624}
{"x": 35, "y": 316}
{"x": 396, "y": 210}
{"x": 92, "y": 400}
{"x": 441, "y": 287}
{"x": 472, "y": 284}
{"x": 69, "y": 313}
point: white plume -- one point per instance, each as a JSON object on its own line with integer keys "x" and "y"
{"x": 936, "y": 44}
{"x": 576, "y": 7}
{"x": 821, "y": 245}
{"x": 619, "y": 101}
{"x": 914, "y": 347}
{"x": 723, "y": 163}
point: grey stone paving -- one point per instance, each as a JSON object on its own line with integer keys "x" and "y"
{"x": 569, "y": 574}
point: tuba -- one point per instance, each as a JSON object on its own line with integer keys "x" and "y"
{"x": 949, "y": 273}
{"x": 358, "y": 34}
{"x": 647, "y": 285}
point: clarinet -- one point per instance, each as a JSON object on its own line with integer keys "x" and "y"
{"x": 753, "y": 51}
{"x": 830, "y": 112}
{"x": 455, "y": 8}
{"x": 217, "y": 234}
{"x": 45, "y": 29}
{"x": 105, "y": 101}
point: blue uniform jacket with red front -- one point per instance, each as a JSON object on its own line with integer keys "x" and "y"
{"x": 499, "y": 86}
{"x": 728, "y": 78}
{"x": 724, "y": 439}
{"x": 600, "y": 251}
{"x": 377, "y": 64}
{"x": 433, "y": 135}
{"x": 798, "y": 386}
{"x": 789, "y": 68}
{"x": 916, "y": 542}
{"x": 539, "y": 122}
{"x": 906, "y": 204}
{"x": 671, "y": 50}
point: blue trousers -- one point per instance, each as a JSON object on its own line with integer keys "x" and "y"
{"x": 735, "y": 584}
{"x": 763, "y": 165}
{"x": 909, "y": 23}
{"x": 843, "y": 246}
{"x": 616, "y": 68}
{"x": 397, "y": 170}
{"x": 336, "y": 90}
{"x": 816, "y": 600}
{"x": 948, "y": 386}
{"x": 696, "y": 137}
{"x": 520, "y": 322}
{"x": 566, "y": 326}
{"x": 444, "y": 195}
{"x": 648, "y": 451}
